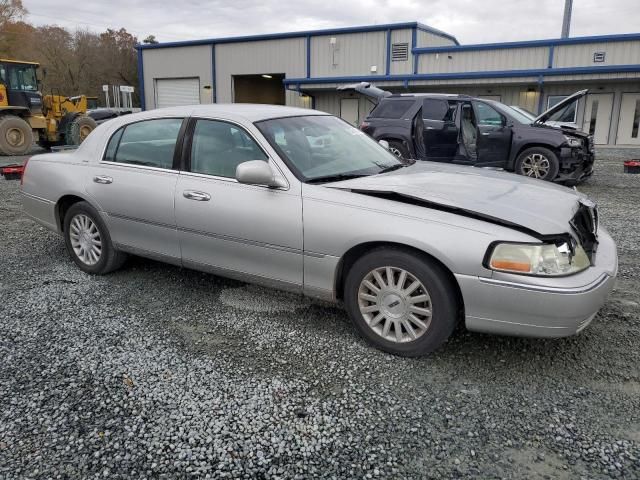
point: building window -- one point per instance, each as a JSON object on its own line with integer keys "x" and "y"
{"x": 400, "y": 52}
{"x": 594, "y": 116}
{"x": 567, "y": 114}
{"x": 636, "y": 120}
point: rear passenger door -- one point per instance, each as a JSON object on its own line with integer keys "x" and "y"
{"x": 134, "y": 185}
{"x": 440, "y": 130}
{"x": 250, "y": 232}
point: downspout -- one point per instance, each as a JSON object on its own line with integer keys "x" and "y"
{"x": 141, "y": 77}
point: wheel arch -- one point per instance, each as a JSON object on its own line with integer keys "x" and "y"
{"x": 357, "y": 251}
{"x": 63, "y": 205}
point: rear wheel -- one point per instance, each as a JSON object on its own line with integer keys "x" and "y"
{"x": 78, "y": 129}
{"x": 538, "y": 162}
{"x": 88, "y": 240}
{"x": 400, "y": 302}
{"x": 399, "y": 150}
{"x": 16, "y": 136}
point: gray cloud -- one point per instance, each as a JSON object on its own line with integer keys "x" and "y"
{"x": 471, "y": 21}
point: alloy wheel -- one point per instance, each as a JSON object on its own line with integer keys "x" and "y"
{"x": 395, "y": 152}
{"x": 536, "y": 165}
{"x": 395, "y": 304}
{"x": 85, "y": 239}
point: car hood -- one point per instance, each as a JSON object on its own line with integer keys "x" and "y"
{"x": 544, "y": 116}
{"x": 535, "y": 206}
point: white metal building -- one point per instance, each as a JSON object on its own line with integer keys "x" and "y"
{"x": 305, "y": 68}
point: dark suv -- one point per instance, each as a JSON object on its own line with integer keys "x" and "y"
{"x": 476, "y": 131}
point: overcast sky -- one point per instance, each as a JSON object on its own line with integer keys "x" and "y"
{"x": 471, "y": 21}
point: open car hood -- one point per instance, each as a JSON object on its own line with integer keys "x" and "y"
{"x": 535, "y": 207}
{"x": 365, "y": 88}
{"x": 544, "y": 116}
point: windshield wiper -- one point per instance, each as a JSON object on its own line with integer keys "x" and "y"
{"x": 336, "y": 178}
{"x": 393, "y": 167}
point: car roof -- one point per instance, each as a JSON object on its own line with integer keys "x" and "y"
{"x": 231, "y": 111}
{"x": 429, "y": 95}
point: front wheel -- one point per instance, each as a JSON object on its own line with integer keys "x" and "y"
{"x": 88, "y": 241}
{"x": 401, "y": 302}
{"x": 538, "y": 162}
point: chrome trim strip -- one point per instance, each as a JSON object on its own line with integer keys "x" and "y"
{"x": 229, "y": 238}
{"x": 35, "y": 197}
{"x": 493, "y": 320}
{"x": 538, "y": 288}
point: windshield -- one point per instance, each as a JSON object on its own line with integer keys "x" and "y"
{"x": 520, "y": 116}
{"x": 316, "y": 147}
{"x": 22, "y": 77}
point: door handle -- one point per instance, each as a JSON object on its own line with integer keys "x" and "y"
{"x": 103, "y": 179}
{"x": 197, "y": 196}
{"x": 486, "y": 134}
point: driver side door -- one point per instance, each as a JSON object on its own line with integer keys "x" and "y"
{"x": 494, "y": 136}
{"x": 250, "y": 232}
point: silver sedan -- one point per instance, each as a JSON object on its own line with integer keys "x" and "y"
{"x": 299, "y": 200}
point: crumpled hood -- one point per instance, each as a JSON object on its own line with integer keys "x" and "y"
{"x": 536, "y": 205}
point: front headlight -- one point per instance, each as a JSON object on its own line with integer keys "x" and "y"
{"x": 573, "y": 141}
{"x": 540, "y": 259}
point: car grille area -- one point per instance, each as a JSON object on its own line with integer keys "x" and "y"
{"x": 585, "y": 226}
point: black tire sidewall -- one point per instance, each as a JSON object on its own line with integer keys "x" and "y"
{"x": 436, "y": 281}
{"x": 553, "y": 160}
{"x": 107, "y": 248}
{"x": 12, "y": 121}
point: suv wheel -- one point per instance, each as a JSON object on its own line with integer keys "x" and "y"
{"x": 400, "y": 302}
{"x": 399, "y": 150}
{"x": 538, "y": 162}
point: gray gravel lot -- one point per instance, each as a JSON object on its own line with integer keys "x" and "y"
{"x": 159, "y": 372}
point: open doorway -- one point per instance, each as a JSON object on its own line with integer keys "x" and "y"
{"x": 263, "y": 88}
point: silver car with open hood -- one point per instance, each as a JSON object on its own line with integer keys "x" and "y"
{"x": 299, "y": 200}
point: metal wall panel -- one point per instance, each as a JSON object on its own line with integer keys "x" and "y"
{"x": 330, "y": 102}
{"x": 616, "y": 53}
{"x": 352, "y": 54}
{"x": 397, "y": 68}
{"x": 426, "y": 39}
{"x": 286, "y": 56}
{"x": 179, "y": 62}
{"x": 484, "y": 60}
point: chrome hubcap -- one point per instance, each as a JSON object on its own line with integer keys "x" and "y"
{"x": 15, "y": 137}
{"x": 536, "y": 165}
{"x": 396, "y": 152}
{"x": 85, "y": 239}
{"x": 395, "y": 304}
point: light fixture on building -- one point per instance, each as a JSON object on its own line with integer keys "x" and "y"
{"x": 266, "y": 76}
{"x": 374, "y": 68}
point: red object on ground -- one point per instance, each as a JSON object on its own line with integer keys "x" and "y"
{"x": 12, "y": 172}
{"x": 632, "y": 166}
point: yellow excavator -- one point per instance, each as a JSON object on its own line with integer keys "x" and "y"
{"x": 27, "y": 116}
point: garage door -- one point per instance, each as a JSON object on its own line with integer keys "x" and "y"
{"x": 172, "y": 92}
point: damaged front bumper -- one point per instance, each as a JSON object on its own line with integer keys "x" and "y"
{"x": 576, "y": 165}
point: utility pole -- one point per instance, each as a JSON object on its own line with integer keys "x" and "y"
{"x": 566, "y": 19}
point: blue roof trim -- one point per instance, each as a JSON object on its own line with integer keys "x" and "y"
{"x": 538, "y": 72}
{"x": 277, "y": 36}
{"x": 530, "y": 43}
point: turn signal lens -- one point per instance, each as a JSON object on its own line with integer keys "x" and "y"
{"x": 545, "y": 260}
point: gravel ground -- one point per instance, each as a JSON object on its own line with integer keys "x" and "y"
{"x": 159, "y": 372}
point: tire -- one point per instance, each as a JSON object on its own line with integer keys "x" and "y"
{"x": 83, "y": 218}
{"x": 435, "y": 294}
{"x": 78, "y": 129}
{"x": 399, "y": 150}
{"x": 16, "y": 136}
{"x": 538, "y": 162}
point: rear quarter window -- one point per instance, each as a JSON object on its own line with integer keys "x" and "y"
{"x": 391, "y": 109}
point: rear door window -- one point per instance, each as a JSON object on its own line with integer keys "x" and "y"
{"x": 150, "y": 143}
{"x": 391, "y": 108}
{"x": 437, "y": 109}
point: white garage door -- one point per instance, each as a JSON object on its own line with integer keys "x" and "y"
{"x": 173, "y": 92}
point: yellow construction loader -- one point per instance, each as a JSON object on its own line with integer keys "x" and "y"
{"x": 27, "y": 116}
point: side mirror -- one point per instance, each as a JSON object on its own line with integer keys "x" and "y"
{"x": 384, "y": 144}
{"x": 258, "y": 172}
